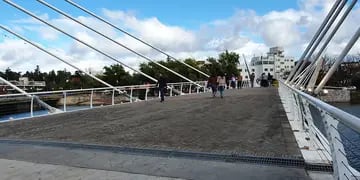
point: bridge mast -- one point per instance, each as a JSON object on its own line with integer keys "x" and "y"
{"x": 321, "y": 36}
{"x": 317, "y": 58}
{"x": 338, "y": 61}
{"x": 294, "y": 73}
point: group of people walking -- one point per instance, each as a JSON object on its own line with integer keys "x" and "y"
{"x": 221, "y": 82}
{"x": 266, "y": 80}
{"x": 217, "y": 83}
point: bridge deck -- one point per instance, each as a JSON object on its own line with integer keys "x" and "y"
{"x": 248, "y": 121}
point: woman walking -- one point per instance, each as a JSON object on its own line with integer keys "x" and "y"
{"x": 221, "y": 80}
{"x": 212, "y": 82}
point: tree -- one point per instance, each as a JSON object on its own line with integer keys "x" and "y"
{"x": 116, "y": 75}
{"x": 50, "y": 80}
{"x": 10, "y": 75}
{"x": 356, "y": 81}
{"x": 2, "y": 75}
{"x": 38, "y": 76}
{"x": 62, "y": 79}
{"x": 229, "y": 62}
{"x": 213, "y": 67}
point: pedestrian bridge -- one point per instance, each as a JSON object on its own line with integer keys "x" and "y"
{"x": 245, "y": 135}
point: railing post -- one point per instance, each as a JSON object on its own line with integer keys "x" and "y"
{"x": 91, "y": 98}
{"x": 181, "y": 88}
{"x": 171, "y": 90}
{"x": 336, "y": 147}
{"x": 65, "y": 101}
{"x": 197, "y": 90}
{"x": 190, "y": 89}
{"x": 131, "y": 94}
{"x": 32, "y": 106}
{"x": 113, "y": 97}
{"x": 146, "y": 93}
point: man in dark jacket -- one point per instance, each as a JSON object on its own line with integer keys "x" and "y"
{"x": 162, "y": 85}
{"x": 252, "y": 78}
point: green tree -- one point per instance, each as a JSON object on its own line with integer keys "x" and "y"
{"x": 38, "y": 76}
{"x": 356, "y": 81}
{"x": 2, "y": 74}
{"x": 228, "y": 62}
{"x": 11, "y": 75}
{"x": 50, "y": 81}
{"x": 213, "y": 67}
{"x": 63, "y": 79}
{"x": 116, "y": 75}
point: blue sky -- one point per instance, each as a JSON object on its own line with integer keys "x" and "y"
{"x": 186, "y": 13}
{"x": 186, "y": 28}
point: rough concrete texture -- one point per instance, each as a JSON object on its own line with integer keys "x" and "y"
{"x": 136, "y": 164}
{"x": 20, "y": 170}
{"x": 247, "y": 121}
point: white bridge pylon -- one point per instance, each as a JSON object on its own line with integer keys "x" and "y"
{"x": 305, "y": 78}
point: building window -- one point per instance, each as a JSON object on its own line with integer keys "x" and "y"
{"x": 265, "y": 69}
{"x": 240, "y": 70}
{"x": 292, "y": 60}
{"x": 271, "y": 70}
{"x": 278, "y": 66}
{"x": 282, "y": 63}
{"x": 253, "y": 70}
{"x": 292, "y": 66}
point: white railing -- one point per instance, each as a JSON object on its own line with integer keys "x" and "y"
{"x": 328, "y": 126}
{"x": 92, "y": 97}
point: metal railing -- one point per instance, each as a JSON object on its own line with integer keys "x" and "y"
{"x": 330, "y": 128}
{"x": 78, "y": 99}
{"x": 92, "y": 97}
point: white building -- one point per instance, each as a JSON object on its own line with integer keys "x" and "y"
{"x": 274, "y": 63}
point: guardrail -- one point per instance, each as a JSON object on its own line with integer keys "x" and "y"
{"x": 89, "y": 98}
{"x": 331, "y": 128}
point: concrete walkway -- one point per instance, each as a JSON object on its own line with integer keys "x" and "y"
{"x": 247, "y": 121}
{"x": 20, "y": 170}
{"x": 149, "y": 166}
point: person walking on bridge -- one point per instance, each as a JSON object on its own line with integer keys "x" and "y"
{"x": 212, "y": 82}
{"x": 239, "y": 81}
{"x": 252, "y": 78}
{"x": 221, "y": 80}
{"x": 162, "y": 85}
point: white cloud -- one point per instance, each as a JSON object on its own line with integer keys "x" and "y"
{"x": 246, "y": 32}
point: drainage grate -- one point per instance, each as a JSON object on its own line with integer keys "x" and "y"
{"x": 278, "y": 161}
{"x": 319, "y": 167}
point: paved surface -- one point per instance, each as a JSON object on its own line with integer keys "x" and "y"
{"x": 146, "y": 167}
{"x": 248, "y": 121}
{"x": 19, "y": 170}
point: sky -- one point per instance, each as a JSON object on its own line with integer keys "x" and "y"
{"x": 184, "y": 29}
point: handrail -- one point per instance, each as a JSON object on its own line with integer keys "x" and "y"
{"x": 349, "y": 120}
{"x": 142, "y": 86}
